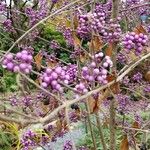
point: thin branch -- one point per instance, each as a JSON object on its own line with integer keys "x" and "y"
{"x": 99, "y": 126}
{"x": 36, "y": 25}
{"x": 135, "y": 129}
{"x": 38, "y": 86}
{"x": 68, "y": 103}
{"x": 90, "y": 125}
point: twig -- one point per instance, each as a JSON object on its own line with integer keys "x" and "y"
{"x": 135, "y": 129}
{"x": 38, "y": 86}
{"x": 68, "y": 125}
{"x": 90, "y": 124}
{"x": 99, "y": 126}
{"x": 36, "y": 25}
{"x": 68, "y": 103}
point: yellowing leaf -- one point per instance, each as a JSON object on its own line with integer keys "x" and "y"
{"x": 68, "y": 23}
{"x": 75, "y": 21}
{"x": 124, "y": 144}
{"x": 38, "y": 60}
{"x": 59, "y": 125}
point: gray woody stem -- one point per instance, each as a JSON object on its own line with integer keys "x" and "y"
{"x": 115, "y": 10}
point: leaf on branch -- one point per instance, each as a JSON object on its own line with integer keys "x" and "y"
{"x": 140, "y": 29}
{"x": 75, "y": 21}
{"x": 77, "y": 42}
{"x": 52, "y": 63}
{"x": 116, "y": 86}
{"x": 135, "y": 125}
{"x": 68, "y": 23}
{"x": 103, "y": 96}
{"x": 83, "y": 57}
{"x": 59, "y": 4}
{"x": 59, "y": 125}
{"x": 44, "y": 108}
{"x": 92, "y": 103}
{"x": 38, "y": 81}
{"x": 124, "y": 144}
{"x": 147, "y": 76}
{"x": 96, "y": 43}
{"x": 109, "y": 50}
{"x": 38, "y": 60}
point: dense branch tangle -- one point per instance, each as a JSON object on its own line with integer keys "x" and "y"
{"x": 94, "y": 45}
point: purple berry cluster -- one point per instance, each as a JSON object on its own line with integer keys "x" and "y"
{"x": 28, "y": 140}
{"x": 67, "y": 33}
{"x": 137, "y": 77}
{"x": 130, "y": 2}
{"x": 20, "y": 62}
{"x": 13, "y": 101}
{"x": 8, "y": 25}
{"x": 99, "y": 23}
{"x": 123, "y": 101}
{"x": 67, "y": 145}
{"x": 95, "y": 72}
{"x": 133, "y": 41}
{"x": 54, "y": 1}
{"x": 113, "y": 33}
{"x": 27, "y": 101}
{"x": 83, "y": 28}
{"x": 71, "y": 70}
{"x": 121, "y": 58}
{"x": 54, "y": 77}
{"x": 36, "y": 15}
{"x": 2, "y": 7}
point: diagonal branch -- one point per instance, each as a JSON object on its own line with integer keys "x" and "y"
{"x": 119, "y": 78}
{"x": 36, "y": 25}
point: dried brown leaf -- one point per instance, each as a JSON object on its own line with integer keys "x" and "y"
{"x": 140, "y": 29}
{"x": 38, "y": 60}
{"x": 96, "y": 43}
{"x": 109, "y": 50}
{"x": 124, "y": 144}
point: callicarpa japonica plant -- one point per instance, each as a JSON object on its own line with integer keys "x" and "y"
{"x": 74, "y": 75}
